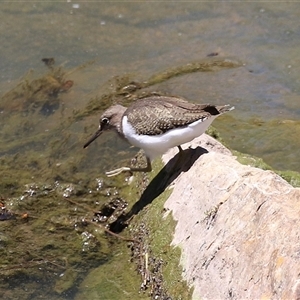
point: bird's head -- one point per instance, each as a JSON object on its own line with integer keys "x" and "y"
{"x": 110, "y": 119}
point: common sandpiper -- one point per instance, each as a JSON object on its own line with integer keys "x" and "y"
{"x": 156, "y": 124}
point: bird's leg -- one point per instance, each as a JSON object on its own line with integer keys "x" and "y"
{"x": 115, "y": 172}
{"x": 180, "y": 150}
{"x": 179, "y": 159}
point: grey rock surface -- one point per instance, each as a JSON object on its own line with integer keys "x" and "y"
{"x": 238, "y": 227}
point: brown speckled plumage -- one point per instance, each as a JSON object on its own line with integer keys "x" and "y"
{"x": 158, "y": 114}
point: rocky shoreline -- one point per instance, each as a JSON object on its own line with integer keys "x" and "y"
{"x": 237, "y": 226}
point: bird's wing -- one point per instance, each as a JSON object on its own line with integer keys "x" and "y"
{"x": 156, "y": 115}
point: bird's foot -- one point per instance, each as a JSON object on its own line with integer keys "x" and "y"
{"x": 117, "y": 171}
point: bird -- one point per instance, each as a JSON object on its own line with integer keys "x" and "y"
{"x": 156, "y": 124}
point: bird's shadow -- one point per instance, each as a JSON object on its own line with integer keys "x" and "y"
{"x": 181, "y": 162}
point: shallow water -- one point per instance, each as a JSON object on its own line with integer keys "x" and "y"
{"x": 42, "y": 144}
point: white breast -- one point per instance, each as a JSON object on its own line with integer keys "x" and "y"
{"x": 157, "y": 145}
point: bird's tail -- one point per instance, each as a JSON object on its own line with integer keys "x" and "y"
{"x": 225, "y": 108}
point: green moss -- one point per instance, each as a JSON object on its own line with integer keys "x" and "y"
{"x": 251, "y": 160}
{"x": 213, "y": 132}
{"x": 161, "y": 230}
{"x": 116, "y": 279}
{"x": 291, "y": 177}
{"x": 205, "y": 65}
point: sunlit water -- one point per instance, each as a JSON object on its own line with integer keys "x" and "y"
{"x": 142, "y": 39}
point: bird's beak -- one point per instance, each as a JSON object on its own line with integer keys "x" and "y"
{"x": 98, "y": 133}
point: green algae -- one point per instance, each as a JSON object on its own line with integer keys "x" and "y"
{"x": 66, "y": 281}
{"x": 251, "y": 160}
{"x": 206, "y": 65}
{"x": 291, "y": 177}
{"x": 117, "y": 279}
{"x": 49, "y": 240}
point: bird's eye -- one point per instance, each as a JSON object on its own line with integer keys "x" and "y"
{"x": 105, "y": 121}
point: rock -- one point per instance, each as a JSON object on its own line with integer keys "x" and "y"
{"x": 238, "y": 227}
